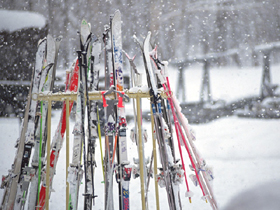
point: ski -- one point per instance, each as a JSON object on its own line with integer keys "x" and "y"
{"x": 92, "y": 122}
{"x": 110, "y": 118}
{"x": 75, "y": 170}
{"x": 162, "y": 80}
{"x": 197, "y": 163}
{"x": 161, "y": 134}
{"x": 46, "y": 84}
{"x": 124, "y": 167}
{"x": 85, "y": 40}
{"x": 29, "y": 172}
{"x": 93, "y": 118}
{"x": 177, "y": 170}
{"x": 165, "y": 105}
{"x": 58, "y": 139}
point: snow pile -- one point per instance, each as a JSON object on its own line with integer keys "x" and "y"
{"x": 15, "y": 20}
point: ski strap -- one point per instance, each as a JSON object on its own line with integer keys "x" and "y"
{"x": 121, "y": 96}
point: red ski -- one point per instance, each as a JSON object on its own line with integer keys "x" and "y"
{"x": 58, "y": 138}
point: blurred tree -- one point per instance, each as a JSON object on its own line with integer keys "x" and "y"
{"x": 180, "y": 28}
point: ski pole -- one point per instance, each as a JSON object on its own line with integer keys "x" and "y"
{"x": 184, "y": 140}
{"x": 202, "y": 185}
{"x": 177, "y": 127}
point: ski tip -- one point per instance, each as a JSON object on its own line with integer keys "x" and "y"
{"x": 106, "y": 28}
{"x": 128, "y": 57}
{"x": 135, "y": 38}
{"x": 138, "y": 41}
{"x": 59, "y": 38}
{"x": 117, "y": 12}
{"x": 148, "y": 37}
{"x": 41, "y": 40}
{"x": 49, "y": 37}
{"x": 84, "y": 22}
{"x": 125, "y": 54}
{"x": 89, "y": 26}
{"x": 95, "y": 40}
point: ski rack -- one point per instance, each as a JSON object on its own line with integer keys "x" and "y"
{"x": 93, "y": 95}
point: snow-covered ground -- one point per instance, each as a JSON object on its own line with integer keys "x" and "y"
{"x": 244, "y": 153}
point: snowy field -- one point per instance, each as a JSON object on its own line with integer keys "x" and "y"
{"x": 244, "y": 153}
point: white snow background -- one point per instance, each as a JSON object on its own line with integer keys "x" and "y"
{"x": 244, "y": 153}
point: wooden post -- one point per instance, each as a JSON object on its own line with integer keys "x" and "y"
{"x": 265, "y": 86}
{"x": 141, "y": 162}
{"x": 181, "y": 84}
{"x": 96, "y": 95}
{"x": 67, "y": 152}
{"x": 155, "y": 158}
{"x": 205, "y": 92}
{"x": 48, "y": 154}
